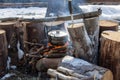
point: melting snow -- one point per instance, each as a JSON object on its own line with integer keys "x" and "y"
{"x": 8, "y": 63}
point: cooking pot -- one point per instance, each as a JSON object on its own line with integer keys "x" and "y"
{"x": 57, "y": 37}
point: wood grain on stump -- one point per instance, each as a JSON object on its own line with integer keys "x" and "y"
{"x": 3, "y": 52}
{"x": 87, "y": 69}
{"x": 81, "y": 42}
{"x": 108, "y": 25}
{"x": 110, "y": 52}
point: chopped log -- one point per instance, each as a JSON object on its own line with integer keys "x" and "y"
{"x": 92, "y": 28}
{"x": 59, "y": 75}
{"x": 3, "y": 52}
{"x": 46, "y": 63}
{"x": 87, "y": 69}
{"x": 72, "y": 73}
{"x": 108, "y": 25}
{"x": 110, "y": 48}
{"x": 81, "y": 42}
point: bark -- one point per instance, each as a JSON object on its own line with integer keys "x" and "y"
{"x": 92, "y": 28}
{"x": 110, "y": 56}
{"x": 3, "y": 52}
{"x": 87, "y": 69}
{"x": 81, "y": 42}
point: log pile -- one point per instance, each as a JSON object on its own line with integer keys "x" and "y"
{"x": 76, "y": 69}
{"x": 110, "y": 52}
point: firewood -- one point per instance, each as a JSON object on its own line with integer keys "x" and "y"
{"x": 92, "y": 28}
{"x": 70, "y": 72}
{"x": 3, "y": 52}
{"x": 109, "y": 52}
{"x": 87, "y": 69}
{"x": 60, "y": 76}
{"x": 81, "y": 42}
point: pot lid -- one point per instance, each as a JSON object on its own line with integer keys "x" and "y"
{"x": 57, "y": 33}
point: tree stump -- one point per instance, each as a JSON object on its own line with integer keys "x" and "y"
{"x": 110, "y": 52}
{"x": 81, "y": 42}
{"x": 14, "y": 33}
{"x": 3, "y": 52}
{"x": 107, "y": 25}
{"x": 84, "y": 68}
{"x": 92, "y": 28}
{"x": 35, "y": 32}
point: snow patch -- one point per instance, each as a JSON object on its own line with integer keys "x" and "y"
{"x": 7, "y": 76}
{"x": 74, "y": 61}
{"x": 8, "y": 63}
{"x": 20, "y": 52}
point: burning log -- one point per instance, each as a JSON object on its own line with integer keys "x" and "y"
{"x": 81, "y": 42}
{"x": 3, "y": 52}
{"x": 110, "y": 56}
{"x": 87, "y": 69}
{"x": 92, "y": 28}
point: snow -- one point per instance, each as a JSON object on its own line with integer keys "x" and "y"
{"x": 74, "y": 61}
{"x": 8, "y": 63}
{"x": 108, "y": 11}
{"x": 30, "y": 12}
{"x": 20, "y": 52}
{"x": 7, "y": 76}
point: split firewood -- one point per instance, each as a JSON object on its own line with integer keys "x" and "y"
{"x": 87, "y": 69}
{"x": 67, "y": 71}
{"x": 60, "y": 76}
{"x": 110, "y": 52}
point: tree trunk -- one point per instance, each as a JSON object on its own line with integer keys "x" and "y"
{"x": 107, "y": 25}
{"x": 3, "y": 52}
{"x": 92, "y": 28}
{"x": 87, "y": 69}
{"x": 110, "y": 48}
{"x": 81, "y": 42}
